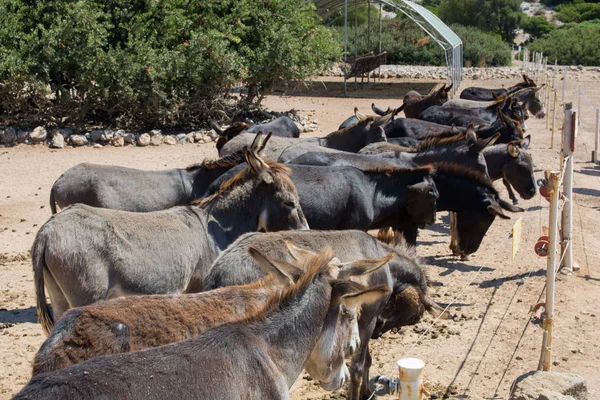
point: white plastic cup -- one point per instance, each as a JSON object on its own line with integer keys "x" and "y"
{"x": 411, "y": 378}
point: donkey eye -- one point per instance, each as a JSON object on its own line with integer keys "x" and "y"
{"x": 290, "y": 204}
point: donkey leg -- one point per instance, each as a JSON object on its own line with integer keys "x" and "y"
{"x": 511, "y": 194}
{"x": 454, "y": 243}
{"x": 58, "y": 300}
{"x": 358, "y": 388}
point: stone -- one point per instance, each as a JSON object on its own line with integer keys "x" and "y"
{"x": 143, "y": 140}
{"x": 106, "y": 136}
{"x": 39, "y": 134}
{"x": 8, "y": 136}
{"x": 129, "y": 137}
{"x": 155, "y": 132}
{"x": 156, "y": 140}
{"x": 96, "y": 134}
{"x": 190, "y": 137}
{"x": 117, "y": 141}
{"x": 58, "y": 140}
{"x": 580, "y": 67}
{"x": 170, "y": 140}
{"x": 23, "y": 136}
{"x": 209, "y": 138}
{"x": 78, "y": 140}
{"x": 198, "y": 137}
{"x": 97, "y": 146}
{"x": 182, "y": 138}
{"x": 549, "y": 385}
{"x": 310, "y": 128}
{"x": 66, "y": 132}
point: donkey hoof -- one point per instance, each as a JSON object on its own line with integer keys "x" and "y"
{"x": 515, "y": 201}
{"x": 465, "y": 257}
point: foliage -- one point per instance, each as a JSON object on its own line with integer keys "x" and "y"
{"x": 407, "y": 43}
{"x": 536, "y": 26}
{"x": 572, "y": 44}
{"x": 578, "y": 12}
{"x": 499, "y": 16}
{"x": 145, "y": 62}
{"x": 432, "y": 5}
{"x": 358, "y": 17}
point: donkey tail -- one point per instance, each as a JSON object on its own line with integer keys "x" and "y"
{"x": 52, "y": 201}
{"x": 39, "y": 264}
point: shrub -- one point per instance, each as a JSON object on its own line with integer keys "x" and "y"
{"x": 145, "y": 62}
{"x": 578, "y": 12}
{"x": 572, "y": 44}
{"x": 407, "y": 43}
{"x": 536, "y": 26}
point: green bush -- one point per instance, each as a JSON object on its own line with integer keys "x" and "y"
{"x": 536, "y": 26}
{"x": 406, "y": 43}
{"x": 145, "y": 62}
{"x": 578, "y": 12}
{"x": 572, "y": 44}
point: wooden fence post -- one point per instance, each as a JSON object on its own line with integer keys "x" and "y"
{"x": 596, "y": 137}
{"x": 569, "y": 132}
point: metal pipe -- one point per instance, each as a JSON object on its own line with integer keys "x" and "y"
{"x": 355, "y": 40}
{"x": 345, "y": 45}
{"x": 554, "y": 119}
{"x": 380, "y": 23}
{"x": 553, "y": 178}
{"x": 570, "y": 130}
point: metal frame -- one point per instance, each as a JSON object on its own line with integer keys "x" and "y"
{"x": 425, "y": 19}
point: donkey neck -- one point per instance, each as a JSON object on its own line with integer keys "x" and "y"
{"x": 291, "y": 331}
{"x": 389, "y": 194}
{"x": 350, "y": 139}
{"x": 200, "y": 179}
{"x": 456, "y": 193}
{"x": 496, "y": 158}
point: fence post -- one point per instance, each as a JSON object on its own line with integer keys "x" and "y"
{"x": 596, "y": 137}
{"x": 569, "y": 131}
{"x": 554, "y": 119}
{"x": 578, "y": 107}
{"x": 564, "y": 92}
{"x": 552, "y": 178}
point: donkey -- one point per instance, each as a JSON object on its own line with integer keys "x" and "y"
{"x": 528, "y": 97}
{"x": 349, "y": 198}
{"x": 403, "y": 274}
{"x": 415, "y": 103}
{"x": 349, "y": 139}
{"x": 129, "y": 189}
{"x": 85, "y": 254}
{"x": 483, "y": 94}
{"x": 282, "y": 127}
{"x": 265, "y": 352}
{"x": 140, "y": 322}
{"x": 463, "y": 116}
{"x": 511, "y": 163}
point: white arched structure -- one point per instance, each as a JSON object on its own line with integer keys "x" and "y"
{"x": 431, "y": 24}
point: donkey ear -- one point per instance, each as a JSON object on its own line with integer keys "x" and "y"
{"x": 483, "y": 143}
{"x": 365, "y": 296}
{"x": 495, "y": 96}
{"x": 496, "y": 210}
{"x": 259, "y": 166}
{"x": 363, "y": 267}
{"x": 449, "y": 87}
{"x": 358, "y": 114}
{"x": 510, "y": 207}
{"x": 283, "y": 272}
{"x": 512, "y": 150}
{"x": 377, "y": 110}
{"x": 298, "y": 253}
{"x": 216, "y": 127}
{"x": 471, "y": 135}
{"x": 525, "y": 142}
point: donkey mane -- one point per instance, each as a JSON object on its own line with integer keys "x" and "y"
{"x": 460, "y": 171}
{"x": 228, "y": 161}
{"x": 391, "y": 170}
{"x": 394, "y": 239}
{"x": 343, "y": 130}
{"x": 523, "y": 91}
{"x": 437, "y": 141}
{"x": 240, "y": 178}
{"x": 314, "y": 266}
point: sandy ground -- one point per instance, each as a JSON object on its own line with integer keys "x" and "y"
{"x": 491, "y": 342}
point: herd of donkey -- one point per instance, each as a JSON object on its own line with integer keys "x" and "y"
{"x": 206, "y": 282}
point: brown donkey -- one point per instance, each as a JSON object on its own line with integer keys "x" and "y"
{"x": 415, "y": 103}
{"x": 257, "y": 358}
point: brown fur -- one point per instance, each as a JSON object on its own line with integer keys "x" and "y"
{"x": 227, "y": 161}
{"x": 390, "y": 170}
{"x": 437, "y": 141}
{"x": 343, "y": 130}
{"x": 153, "y": 321}
{"x": 314, "y": 266}
{"x": 276, "y": 169}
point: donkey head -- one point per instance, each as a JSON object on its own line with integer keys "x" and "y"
{"x": 513, "y": 108}
{"x": 326, "y": 363}
{"x": 519, "y": 171}
{"x": 511, "y": 130}
{"x": 421, "y": 198}
{"x": 532, "y": 102}
{"x": 442, "y": 93}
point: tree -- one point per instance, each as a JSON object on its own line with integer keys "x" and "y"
{"x": 536, "y": 26}
{"x": 499, "y": 16}
{"x": 572, "y": 44}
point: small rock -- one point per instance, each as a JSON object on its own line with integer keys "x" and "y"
{"x": 519, "y": 358}
{"x": 556, "y": 363}
{"x": 170, "y": 140}
{"x": 549, "y": 385}
{"x": 96, "y": 134}
{"x": 209, "y": 138}
{"x": 8, "y": 136}
{"x": 129, "y": 137}
{"x": 580, "y": 67}
{"x": 310, "y": 128}
{"x": 66, "y": 132}
{"x": 39, "y": 134}
{"x": 97, "y": 146}
{"x": 156, "y": 140}
{"x": 418, "y": 329}
{"x": 143, "y": 140}
{"x": 198, "y": 137}
{"x": 58, "y": 141}
{"x": 190, "y": 137}
{"x": 182, "y": 138}
{"x": 106, "y": 136}
{"x": 117, "y": 141}
{"x": 78, "y": 140}
{"x": 155, "y": 132}
{"x": 23, "y": 136}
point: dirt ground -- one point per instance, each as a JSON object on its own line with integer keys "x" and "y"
{"x": 478, "y": 355}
